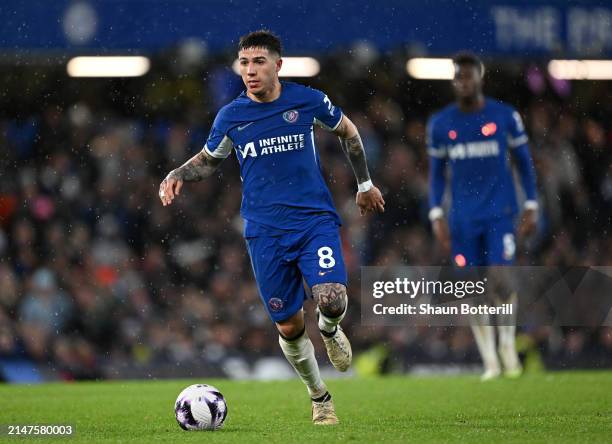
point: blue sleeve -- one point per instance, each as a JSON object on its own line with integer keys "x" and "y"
{"x": 437, "y": 166}
{"x": 526, "y": 170}
{"x": 326, "y": 114}
{"x": 516, "y": 130}
{"x": 218, "y": 144}
{"x": 517, "y": 141}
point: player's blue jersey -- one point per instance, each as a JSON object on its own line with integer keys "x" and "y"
{"x": 282, "y": 184}
{"x": 476, "y": 147}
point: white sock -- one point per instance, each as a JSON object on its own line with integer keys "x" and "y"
{"x": 485, "y": 340}
{"x": 300, "y": 354}
{"x": 507, "y": 346}
{"x": 328, "y": 324}
{"x": 507, "y": 335}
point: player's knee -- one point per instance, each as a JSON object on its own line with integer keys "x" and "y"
{"x": 292, "y": 328}
{"x": 331, "y": 299}
{"x": 289, "y": 332}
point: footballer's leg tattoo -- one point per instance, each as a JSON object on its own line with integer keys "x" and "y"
{"x": 332, "y": 304}
{"x": 331, "y": 299}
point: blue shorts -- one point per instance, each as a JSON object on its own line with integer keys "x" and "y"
{"x": 485, "y": 242}
{"x": 281, "y": 264}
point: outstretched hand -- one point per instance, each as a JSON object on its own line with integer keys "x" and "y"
{"x": 169, "y": 189}
{"x": 371, "y": 200}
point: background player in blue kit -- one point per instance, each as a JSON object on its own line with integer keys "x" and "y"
{"x": 291, "y": 225}
{"x": 473, "y": 139}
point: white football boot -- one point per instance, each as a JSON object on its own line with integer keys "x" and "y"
{"x": 338, "y": 347}
{"x": 323, "y": 412}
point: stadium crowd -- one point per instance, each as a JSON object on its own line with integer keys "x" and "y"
{"x": 96, "y": 274}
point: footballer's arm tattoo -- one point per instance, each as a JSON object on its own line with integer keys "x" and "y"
{"x": 331, "y": 298}
{"x": 351, "y": 143}
{"x": 197, "y": 168}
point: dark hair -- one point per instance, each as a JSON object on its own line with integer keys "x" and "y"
{"x": 468, "y": 58}
{"x": 261, "y": 39}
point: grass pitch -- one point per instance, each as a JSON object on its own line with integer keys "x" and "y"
{"x": 553, "y": 407}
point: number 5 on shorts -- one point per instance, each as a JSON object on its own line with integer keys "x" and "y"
{"x": 326, "y": 259}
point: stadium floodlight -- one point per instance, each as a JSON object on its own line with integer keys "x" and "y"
{"x": 292, "y": 67}
{"x": 108, "y": 66}
{"x": 581, "y": 69}
{"x": 431, "y": 68}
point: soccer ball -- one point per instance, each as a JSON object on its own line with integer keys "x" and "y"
{"x": 200, "y": 407}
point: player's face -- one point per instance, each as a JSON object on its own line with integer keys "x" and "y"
{"x": 259, "y": 70}
{"x": 467, "y": 82}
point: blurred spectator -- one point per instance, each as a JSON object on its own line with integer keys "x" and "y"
{"x": 44, "y": 304}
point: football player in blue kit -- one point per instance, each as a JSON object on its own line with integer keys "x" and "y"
{"x": 473, "y": 140}
{"x": 290, "y": 223}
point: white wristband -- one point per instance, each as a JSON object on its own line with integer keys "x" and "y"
{"x": 531, "y": 205}
{"x": 435, "y": 213}
{"x": 365, "y": 186}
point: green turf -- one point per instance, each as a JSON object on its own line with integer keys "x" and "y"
{"x": 554, "y": 407}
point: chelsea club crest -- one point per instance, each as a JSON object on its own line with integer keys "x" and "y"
{"x": 275, "y": 304}
{"x": 290, "y": 116}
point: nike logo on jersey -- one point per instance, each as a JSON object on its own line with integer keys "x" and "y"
{"x": 240, "y": 128}
{"x": 323, "y": 273}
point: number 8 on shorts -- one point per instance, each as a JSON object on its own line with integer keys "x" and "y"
{"x": 326, "y": 260}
